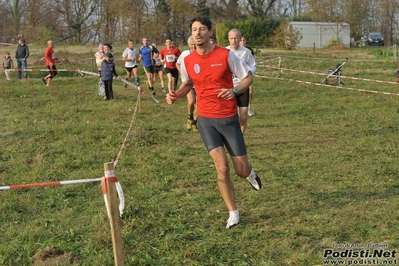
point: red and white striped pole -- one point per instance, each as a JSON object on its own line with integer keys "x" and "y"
{"x": 48, "y": 184}
{"x": 109, "y": 187}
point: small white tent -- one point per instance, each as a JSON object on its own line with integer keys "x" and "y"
{"x": 319, "y": 34}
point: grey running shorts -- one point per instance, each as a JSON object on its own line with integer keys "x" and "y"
{"x": 226, "y": 132}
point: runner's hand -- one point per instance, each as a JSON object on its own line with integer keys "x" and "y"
{"x": 226, "y": 94}
{"x": 171, "y": 97}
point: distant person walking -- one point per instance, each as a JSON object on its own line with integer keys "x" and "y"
{"x": 21, "y": 55}
{"x": 8, "y": 64}
{"x": 50, "y": 58}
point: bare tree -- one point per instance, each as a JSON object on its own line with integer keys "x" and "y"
{"x": 357, "y": 13}
{"x": 76, "y": 15}
{"x": 6, "y": 24}
{"x": 297, "y": 6}
{"x": 17, "y": 9}
{"x": 388, "y": 10}
{"x": 170, "y": 20}
{"x": 260, "y": 8}
{"x": 131, "y": 19}
{"x": 81, "y": 21}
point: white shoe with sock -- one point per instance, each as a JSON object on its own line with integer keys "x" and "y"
{"x": 233, "y": 220}
{"x": 254, "y": 180}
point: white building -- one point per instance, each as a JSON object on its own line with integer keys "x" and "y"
{"x": 319, "y": 34}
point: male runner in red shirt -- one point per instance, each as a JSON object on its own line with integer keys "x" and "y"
{"x": 50, "y": 58}
{"x": 209, "y": 69}
{"x": 169, "y": 55}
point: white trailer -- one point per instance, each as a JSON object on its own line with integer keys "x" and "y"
{"x": 319, "y": 34}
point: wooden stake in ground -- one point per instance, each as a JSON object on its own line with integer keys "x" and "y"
{"x": 113, "y": 212}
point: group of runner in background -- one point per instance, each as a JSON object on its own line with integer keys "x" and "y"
{"x": 158, "y": 63}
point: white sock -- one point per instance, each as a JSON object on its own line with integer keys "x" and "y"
{"x": 252, "y": 174}
{"x": 235, "y": 213}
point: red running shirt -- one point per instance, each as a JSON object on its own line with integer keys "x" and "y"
{"x": 211, "y": 72}
{"x": 170, "y": 56}
{"x": 49, "y": 55}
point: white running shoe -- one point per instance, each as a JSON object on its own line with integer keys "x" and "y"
{"x": 232, "y": 221}
{"x": 250, "y": 113}
{"x": 255, "y": 182}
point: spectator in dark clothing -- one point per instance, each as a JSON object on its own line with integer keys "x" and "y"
{"x": 107, "y": 73}
{"x": 21, "y": 55}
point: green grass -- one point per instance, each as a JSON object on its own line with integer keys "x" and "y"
{"x": 327, "y": 158}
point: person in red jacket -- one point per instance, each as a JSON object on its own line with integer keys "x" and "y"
{"x": 50, "y": 58}
{"x": 209, "y": 70}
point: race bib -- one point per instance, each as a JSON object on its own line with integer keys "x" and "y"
{"x": 170, "y": 58}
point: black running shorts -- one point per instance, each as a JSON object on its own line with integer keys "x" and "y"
{"x": 173, "y": 71}
{"x": 243, "y": 99}
{"x": 149, "y": 69}
{"x": 129, "y": 69}
{"x": 216, "y": 132}
{"x": 53, "y": 71}
{"x": 157, "y": 69}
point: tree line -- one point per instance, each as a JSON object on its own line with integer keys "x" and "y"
{"x": 115, "y": 21}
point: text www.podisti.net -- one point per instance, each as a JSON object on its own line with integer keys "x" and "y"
{"x": 360, "y": 257}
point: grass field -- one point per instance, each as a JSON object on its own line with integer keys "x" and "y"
{"x": 327, "y": 158}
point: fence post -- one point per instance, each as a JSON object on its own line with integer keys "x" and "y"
{"x": 113, "y": 212}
